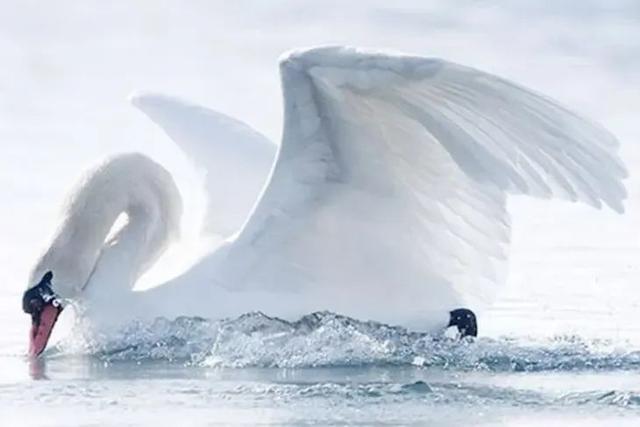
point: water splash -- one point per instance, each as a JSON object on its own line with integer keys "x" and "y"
{"x": 328, "y": 339}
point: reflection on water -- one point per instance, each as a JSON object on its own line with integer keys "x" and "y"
{"x": 38, "y": 368}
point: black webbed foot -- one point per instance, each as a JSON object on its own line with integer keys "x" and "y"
{"x": 465, "y": 320}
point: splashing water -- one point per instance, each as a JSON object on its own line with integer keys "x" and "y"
{"x": 324, "y": 369}
{"x": 326, "y": 339}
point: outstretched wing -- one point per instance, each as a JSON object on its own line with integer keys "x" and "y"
{"x": 235, "y": 158}
{"x": 389, "y": 186}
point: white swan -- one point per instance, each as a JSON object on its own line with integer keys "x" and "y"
{"x": 386, "y": 199}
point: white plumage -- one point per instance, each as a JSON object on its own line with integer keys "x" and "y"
{"x": 387, "y": 196}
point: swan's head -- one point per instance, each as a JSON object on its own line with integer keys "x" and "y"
{"x": 44, "y": 307}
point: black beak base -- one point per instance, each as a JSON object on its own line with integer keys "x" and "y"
{"x": 465, "y": 320}
{"x": 35, "y": 298}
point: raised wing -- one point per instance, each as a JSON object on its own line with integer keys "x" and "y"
{"x": 234, "y": 158}
{"x": 390, "y": 183}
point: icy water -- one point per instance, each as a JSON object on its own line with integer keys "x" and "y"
{"x": 561, "y": 345}
{"x": 324, "y": 369}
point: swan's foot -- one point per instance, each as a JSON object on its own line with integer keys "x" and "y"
{"x": 465, "y": 320}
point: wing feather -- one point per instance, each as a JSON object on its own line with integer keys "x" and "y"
{"x": 234, "y": 158}
{"x": 391, "y": 180}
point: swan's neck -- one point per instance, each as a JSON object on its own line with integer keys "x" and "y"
{"x": 80, "y": 256}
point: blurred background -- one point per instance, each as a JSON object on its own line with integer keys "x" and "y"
{"x": 67, "y": 68}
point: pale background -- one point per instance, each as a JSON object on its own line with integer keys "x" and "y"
{"x": 67, "y": 67}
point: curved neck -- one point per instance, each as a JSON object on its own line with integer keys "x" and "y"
{"x": 79, "y": 253}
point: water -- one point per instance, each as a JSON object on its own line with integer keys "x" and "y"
{"x": 326, "y": 339}
{"x": 561, "y": 346}
{"x": 132, "y": 393}
{"x": 324, "y": 369}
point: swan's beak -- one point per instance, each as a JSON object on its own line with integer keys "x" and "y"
{"x": 42, "y": 324}
{"x": 44, "y": 306}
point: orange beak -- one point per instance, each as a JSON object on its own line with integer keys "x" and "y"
{"x": 41, "y": 328}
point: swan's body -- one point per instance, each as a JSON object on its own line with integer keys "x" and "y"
{"x": 386, "y": 200}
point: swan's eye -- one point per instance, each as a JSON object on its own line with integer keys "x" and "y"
{"x": 34, "y": 305}
{"x": 35, "y": 299}
{"x": 32, "y": 301}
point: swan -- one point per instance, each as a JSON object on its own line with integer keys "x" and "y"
{"x": 385, "y": 200}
